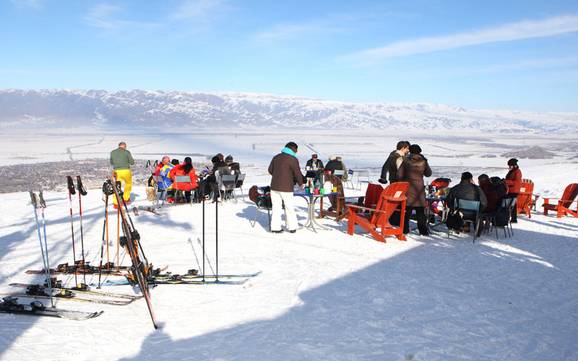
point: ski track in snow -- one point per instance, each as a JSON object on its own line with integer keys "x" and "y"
{"x": 324, "y": 296}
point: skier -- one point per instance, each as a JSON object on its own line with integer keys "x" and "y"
{"x": 121, "y": 160}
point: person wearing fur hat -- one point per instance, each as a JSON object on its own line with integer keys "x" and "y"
{"x": 514, "y": 182}
{"x": 413, "y": 169}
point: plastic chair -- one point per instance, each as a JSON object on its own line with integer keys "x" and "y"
{"x": 362, "y": 177}
{"x": 470, "y": 211}
{"x": 525, "y": 198}
{"x": 239, "y": 185}
{"x": 392, "y": 199}
{"x": 227, "y": 184}
{"x": 564, "y": 203}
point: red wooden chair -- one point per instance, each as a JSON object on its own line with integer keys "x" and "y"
{"x": 525, "y": 198}
{"x": 564, "y": 203}
{"x": 392, "y": 199}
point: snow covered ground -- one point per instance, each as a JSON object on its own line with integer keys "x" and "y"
{"x": 324, "y": 296}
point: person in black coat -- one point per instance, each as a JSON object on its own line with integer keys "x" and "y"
{"x": 314, "y": 163}
{"x": 394, "y": 162}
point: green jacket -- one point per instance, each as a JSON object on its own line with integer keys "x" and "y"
{"x": 121, "y": 159}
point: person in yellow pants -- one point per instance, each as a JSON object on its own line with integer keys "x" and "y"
{"x": 121, "y": 160}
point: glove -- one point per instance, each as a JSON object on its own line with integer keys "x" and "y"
{"x": 382, "y": 181}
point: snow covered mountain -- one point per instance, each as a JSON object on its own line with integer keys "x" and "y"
{"x": 169, "y": 110}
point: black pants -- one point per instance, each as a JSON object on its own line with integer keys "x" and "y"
{"x": 421, "y": 220}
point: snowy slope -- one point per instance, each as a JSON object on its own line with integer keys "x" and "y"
{"x": 171, "y": 110}
{"x": 325, "y": 296}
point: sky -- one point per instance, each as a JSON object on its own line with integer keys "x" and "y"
{"x": 477, "y": 54}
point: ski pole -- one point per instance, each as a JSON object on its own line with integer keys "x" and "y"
{"x": 34, "y": 200}
{"x": 42, "y": 204}
{"x": 72, "y": 191}
{"x": 81, "y": 192}
{"x": 103, "y": 238}
{"x": 203, "y": 236}
{"x": 217, "y": 241}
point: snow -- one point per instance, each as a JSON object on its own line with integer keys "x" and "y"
{"x": 320, "y": 296}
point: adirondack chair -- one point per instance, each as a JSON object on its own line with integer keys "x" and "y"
{"x": 564, "y": 203}
{"x": 391, "y": 198}
{"x": 525, "y": 198}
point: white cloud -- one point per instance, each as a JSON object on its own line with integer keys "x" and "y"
{"x": 105, "y": 16}
{"x": 287, "y": 31}
{"x": 197, "y": 9}
{"x": 507, "y": 32}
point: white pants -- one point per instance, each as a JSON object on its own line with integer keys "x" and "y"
{"x": 277, "y": 200}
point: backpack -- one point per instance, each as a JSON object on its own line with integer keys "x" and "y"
{"x": 455, "y": 220}
{"x": 261, "y": 196}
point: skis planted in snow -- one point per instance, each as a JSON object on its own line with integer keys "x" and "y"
{"x": 131, "y": 242}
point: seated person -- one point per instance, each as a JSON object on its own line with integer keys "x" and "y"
{"x": 234, "y": 166}
{"x": 184, "y": 169}
{"x": 466, "y": 190}
{"x": 333, "y": 165}
{"x": 314, "y": 163}
{"x": 493, "y": 191}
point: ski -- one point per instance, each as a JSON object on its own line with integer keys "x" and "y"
{"x": 37, "y": 308}
{"x": 131, "y": 242}
{"x": 136, "y": 210}
{"x": 65, "y": 268}
{"x": 70, "y": 297}
{"x": 78, "y": 291}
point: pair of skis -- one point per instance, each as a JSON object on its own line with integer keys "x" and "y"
{"x": 37, "y": 308}
{"x": 72, "y": 294}
{"x": 81, "y": 192}
{"x": 131, "y": 242}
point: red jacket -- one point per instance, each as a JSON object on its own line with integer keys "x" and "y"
{"x": 514, "y": 180}
{"x": 179, "y": 170}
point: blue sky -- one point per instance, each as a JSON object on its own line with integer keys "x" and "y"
{"x": 484, "y": 54}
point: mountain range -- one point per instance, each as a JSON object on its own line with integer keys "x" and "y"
{"x": 164, "y": 110}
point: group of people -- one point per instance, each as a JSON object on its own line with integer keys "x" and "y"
{"x": 335, "y": 163}
{"x": 171, "y": 176}
{"x": 490, "y": 191}
{"x": 407, "y": 163}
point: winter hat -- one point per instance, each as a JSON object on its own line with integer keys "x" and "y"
{"x": 229, "y": 158}
{"x": 332, "y": 157}
{"x": 513, "y": 162}
{"x": 415, "y": 149}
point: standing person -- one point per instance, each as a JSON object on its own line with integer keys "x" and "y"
{"x": 314, "y": 163}
{"x": 344, "y": 168}
{"x": 184, "y": 169}
{"x": 333, "y": 164}
{"x": 394, "y": 162}
{"x": 514, "y": 182}
{"x": 414, "y": 168}
{"x": 285, "y": 172}
{"x": 121, "y": 160}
